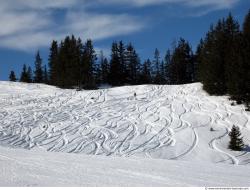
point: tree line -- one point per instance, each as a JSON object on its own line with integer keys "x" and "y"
{"x": 221, "y": 62}
{"x": 74, "y": 64}
{"x": 224, "y": 59}
{"x": 40, "y": 74}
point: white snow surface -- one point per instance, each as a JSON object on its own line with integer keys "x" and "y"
{"x": 142, "y": 136}
{"x": 37, "y": 168}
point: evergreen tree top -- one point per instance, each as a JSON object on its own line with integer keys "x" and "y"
{"x": 246, "y": 26}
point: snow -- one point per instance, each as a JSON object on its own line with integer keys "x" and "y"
{"x": 161, "y": 137}
{"x": 37, "y": 168}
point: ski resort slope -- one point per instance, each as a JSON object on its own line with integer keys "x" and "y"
{"x": 37, "y": 168}
{"x": 168, "y": 123}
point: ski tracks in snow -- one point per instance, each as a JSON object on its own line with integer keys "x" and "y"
{"x": 114, "y": 121}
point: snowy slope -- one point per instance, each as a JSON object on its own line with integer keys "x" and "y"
{"x": 37, "y": 168}
{"x": 162, "y": 122}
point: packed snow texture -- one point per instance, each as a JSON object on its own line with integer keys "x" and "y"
{"x": 20, "y": 167}
{"x": 165, "y": 122}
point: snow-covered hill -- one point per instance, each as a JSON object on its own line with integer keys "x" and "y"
{"x": 161, "y": 122}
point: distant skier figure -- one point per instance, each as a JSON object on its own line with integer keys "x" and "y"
{"x": 135, "y": 95}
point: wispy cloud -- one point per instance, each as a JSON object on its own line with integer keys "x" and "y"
{"x": 16, "y": 22}
{"x": 30, "y": 24}
{"x": 38, "y": 4}
{"x": 191, "y": 3}
{"x": 218, "y": 4}
{"x": 99, "y": 26}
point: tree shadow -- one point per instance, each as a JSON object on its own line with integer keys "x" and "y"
{"x": 247, "y": 148}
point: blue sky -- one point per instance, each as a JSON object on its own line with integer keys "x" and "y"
{"x": 30, "y": 25}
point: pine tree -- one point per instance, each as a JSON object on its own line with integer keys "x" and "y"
{"x": 123, "y": 66}
{"x": 206, "y": 60}
{"x": 236, "y": 141}
{"x": 163, "y": 78}
{"x": 97, "y": 74}
{"x": 76, "y": 51}
{"x": 167, "y": 63}
{"x": 88, "y": 65}
{"x": 156, "y": 68}
{"x": 198, "y": 61}
{"x": 53, "y": 64}
{"x": 68, "y": 62}
{"x": 45, "y": 75}
{"x": 79, "y": 69}
{"x": 104, "y": 68}
{"x": 233, "y": 58}
{"x": 62, "y": 63}
{"x": 26, "y": 75}
{"x": 212, "y": 68}
{"x": 38, "y": 73}
{"x": 180, "y": 69}
{"x": 29, "y": 75}
{"x": 246, "y": 61}
{"x": 145, "y": 75}
{"x": 12, "y": 76}
{"x": 116, "y": 71}
{"x": 132, "y": 63}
